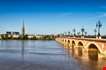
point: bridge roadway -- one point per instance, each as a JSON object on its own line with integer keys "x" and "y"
{"x": 93, "y": 48}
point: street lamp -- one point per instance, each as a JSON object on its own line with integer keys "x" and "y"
{"x": 78, "y": 33}
{"x": 85, "y": 33}
{"x": 95, "y": 32}
{"x": 68, "y": 33}
{"x": 98, "y": 26}
{"x": 82, "y": 30}
{"x": 74, "y": 31}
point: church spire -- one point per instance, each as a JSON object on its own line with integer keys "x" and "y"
{"x": 23, "y": 29}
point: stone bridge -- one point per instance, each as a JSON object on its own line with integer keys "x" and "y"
{"x": 95, "y": 48}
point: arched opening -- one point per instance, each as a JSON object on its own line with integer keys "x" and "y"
{"x": 73, "y": 44}
{"x": 68, "y": 41}
{"x": 80, "y": 46}
{"x": 93, "y": 52}
{"x": 68, "y": 44}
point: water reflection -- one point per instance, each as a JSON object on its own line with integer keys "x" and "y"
{"x": 79, "y": 51}
{"x": 73, "y": 51}
{"x": 23, "y": 49}
{"x": 93, "y": 54}
{"x": 88, "y": 62}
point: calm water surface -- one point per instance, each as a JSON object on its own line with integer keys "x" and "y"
{"x": 41, "y": 55}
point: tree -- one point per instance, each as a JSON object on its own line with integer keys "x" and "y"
{"x": 98, "y": 26}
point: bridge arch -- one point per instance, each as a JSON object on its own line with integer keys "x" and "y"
{"x": 93, "y": 52}
{"x": 90, "y": 43}
{"x": 68, "y": 41}
{"x": 73, "y": 43}
{"x": 80, "y": 48}
{"x": 80, "y": 43}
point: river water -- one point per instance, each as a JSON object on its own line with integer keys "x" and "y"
{"x": 41, "y": 55}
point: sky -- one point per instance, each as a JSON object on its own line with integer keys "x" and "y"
{"x": 52, "y": 16}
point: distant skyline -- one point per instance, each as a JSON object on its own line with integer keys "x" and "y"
{"x": 52, "y": 16}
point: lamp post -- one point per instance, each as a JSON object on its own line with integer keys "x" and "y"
{"x": 69, "y": 33}
{"x": 78, "y": 33}
{"x": 95, "y": 32}
{"x": 98, "y": 26}
{"x": 82, "y": 31}
{"x": 74, "y": 31}
{"x": 85, "y": 33}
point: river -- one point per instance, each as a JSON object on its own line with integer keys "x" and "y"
{"x": 41, "y": 55}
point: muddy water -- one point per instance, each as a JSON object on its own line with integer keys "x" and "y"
{"x": 42, "y": 55}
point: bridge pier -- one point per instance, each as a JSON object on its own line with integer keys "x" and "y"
{"x": 80, "y": 51}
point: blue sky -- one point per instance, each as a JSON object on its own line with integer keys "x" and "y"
{"x": 52, "y": 16}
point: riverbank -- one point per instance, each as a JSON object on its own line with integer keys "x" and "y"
{"x": 26, "y": 37}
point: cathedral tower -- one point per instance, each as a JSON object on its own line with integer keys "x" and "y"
{"x": 23, "y": 29}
